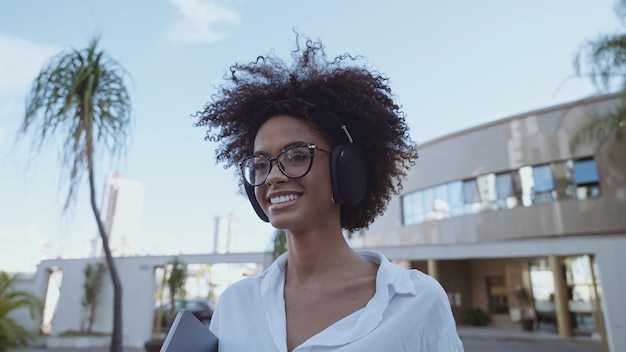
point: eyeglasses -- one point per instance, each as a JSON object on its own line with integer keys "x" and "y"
{"x": 294, "y": 162}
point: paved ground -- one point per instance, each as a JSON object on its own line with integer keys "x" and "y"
{"x": 474, "y": 340}
{"x": 492, "y": 340}
{"x": 512, "y": 345}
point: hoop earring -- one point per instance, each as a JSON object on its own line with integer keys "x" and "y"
{"x": 332, "y": 200}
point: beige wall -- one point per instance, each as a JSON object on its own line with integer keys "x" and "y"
{"x": 528, "y": 139}
{"x": 515, "y": 271}
{"x": 455, "y": 277}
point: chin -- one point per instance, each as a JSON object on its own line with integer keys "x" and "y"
{"x": 279, "y": 224}
{"x": 283, "y": 221}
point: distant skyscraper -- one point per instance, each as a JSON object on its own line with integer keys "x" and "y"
{"x": 121, "y": 212}
{"x": 223, "y": 233}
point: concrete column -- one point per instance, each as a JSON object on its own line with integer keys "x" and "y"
{"x": 560, "y": 297}
{"x": 598, "y": 316}
{"x": 433, "y": 268}
{"x": 610, "y": 256}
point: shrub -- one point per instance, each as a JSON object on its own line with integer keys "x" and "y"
{"x": 476, "y": 317}
{"x": 12, "y": 334}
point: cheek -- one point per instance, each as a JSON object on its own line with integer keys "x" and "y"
{"x": 321, "y": 177}
{"x": 258, "y": 194}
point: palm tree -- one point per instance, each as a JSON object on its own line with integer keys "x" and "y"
{"x": 604, "y": 61}
{"x": 176, "y": 283}
{"x": 13, "y": 335}
{"x": 92, "y": 287}
{"x": 80, "y": 97}
{"x": 608, "y": 128}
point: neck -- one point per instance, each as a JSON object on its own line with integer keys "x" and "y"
{"x": 316, "y": 257}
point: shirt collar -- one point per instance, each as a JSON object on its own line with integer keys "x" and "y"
{"x": 391, "y": 280}
{"x": 391, "y": 275}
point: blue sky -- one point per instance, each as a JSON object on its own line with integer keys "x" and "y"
{"x": 451, "y": 64}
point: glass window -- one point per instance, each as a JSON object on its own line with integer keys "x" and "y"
{"x": 527, "y": 184}
{"x": 487, "y": 189}
{"x": 455, "y": 195}
{"x": 581, "y": 291}
{"x": 412, "y": 208}
{"x": 505, "y": 191}
{"x": 542, "y": 282}
{"x": 504, "y": 185}
{"x": 470, "y": 191}
{"x": 564, "y": 180}
{"x": 587, "y": 191}
{"x": 497, "y": 294}
{"x": 471, "y": 196}
{"x": 585, "y": 179}
{"x": 441, "y": 202}
{"x": 429, "y": 200}
{"x": 407, "y": 218}
{"x": 542, "y": 177}
{"x": 543, "y": 190}
{"x": 585, "y": 172}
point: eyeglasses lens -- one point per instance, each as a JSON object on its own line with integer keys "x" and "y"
{"x": 294, "y": 162}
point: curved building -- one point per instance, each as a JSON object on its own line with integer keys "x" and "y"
{"x": 515, "y": 225}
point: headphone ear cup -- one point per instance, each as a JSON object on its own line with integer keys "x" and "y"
{"x": 348, "y": 174}
{"x": 255, "y": 204}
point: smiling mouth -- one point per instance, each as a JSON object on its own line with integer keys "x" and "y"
{"x": 283, "y": 199}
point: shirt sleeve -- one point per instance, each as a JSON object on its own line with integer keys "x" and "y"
{"x": 441, "y": 332}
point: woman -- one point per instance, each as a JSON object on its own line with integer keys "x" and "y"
{"x": 321, "y": 147}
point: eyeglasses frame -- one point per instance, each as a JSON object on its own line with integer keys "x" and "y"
{"x": 312, "y": 147}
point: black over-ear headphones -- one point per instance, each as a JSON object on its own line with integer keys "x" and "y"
{"x": 347, "y": 173}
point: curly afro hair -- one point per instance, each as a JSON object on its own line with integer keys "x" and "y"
{"x": 318, "y": 91}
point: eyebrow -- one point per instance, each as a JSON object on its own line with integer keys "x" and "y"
{"x": 260, "y": 152}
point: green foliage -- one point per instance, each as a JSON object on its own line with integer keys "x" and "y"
{"x": 280, "y": 243}
{"x": 70, "y": 333}
{"x": 523, "y": 297}
{"x": 603, "y": 60}
{"x": 608, "y": 127}
{"x": 92, "y": 287}
{"x": 79, "y": 96}
{"x": 476, "y": 317}
{"x": 176, "y": 279}
{"x": 13, "y": 335}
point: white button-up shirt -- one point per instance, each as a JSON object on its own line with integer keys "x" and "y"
{"x": 410, "y": 311}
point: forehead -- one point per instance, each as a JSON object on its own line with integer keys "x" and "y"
{"x": 282, "y": 130}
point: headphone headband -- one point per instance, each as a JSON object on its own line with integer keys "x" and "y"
{"x": 340, "y": 123}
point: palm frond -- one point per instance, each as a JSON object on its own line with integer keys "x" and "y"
{"x": 79, "y": 97}
{"x": 620, "y": 10}
{"x": 603, "y": 60}
{"x": 13, "y": 335}
{"x": 599, "y": 128}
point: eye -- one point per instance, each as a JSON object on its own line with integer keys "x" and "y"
{"x": 258, "y": 164}
{"x": 297, "y": 155}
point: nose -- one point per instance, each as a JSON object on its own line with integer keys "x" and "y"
{"x": 276, "y": 175}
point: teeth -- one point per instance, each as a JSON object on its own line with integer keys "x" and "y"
{"x": 282, "y": 199}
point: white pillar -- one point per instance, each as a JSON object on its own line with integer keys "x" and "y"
{"x": 610, "y": 260}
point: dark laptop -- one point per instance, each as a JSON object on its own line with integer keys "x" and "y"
{"x": 188, "y": 334}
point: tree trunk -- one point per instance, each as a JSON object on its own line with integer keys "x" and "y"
{"x": 116, "y": 338}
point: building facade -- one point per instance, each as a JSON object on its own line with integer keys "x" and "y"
{"x": 515, "y": 225}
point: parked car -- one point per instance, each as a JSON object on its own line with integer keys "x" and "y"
{"x": 201, "y": 308}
